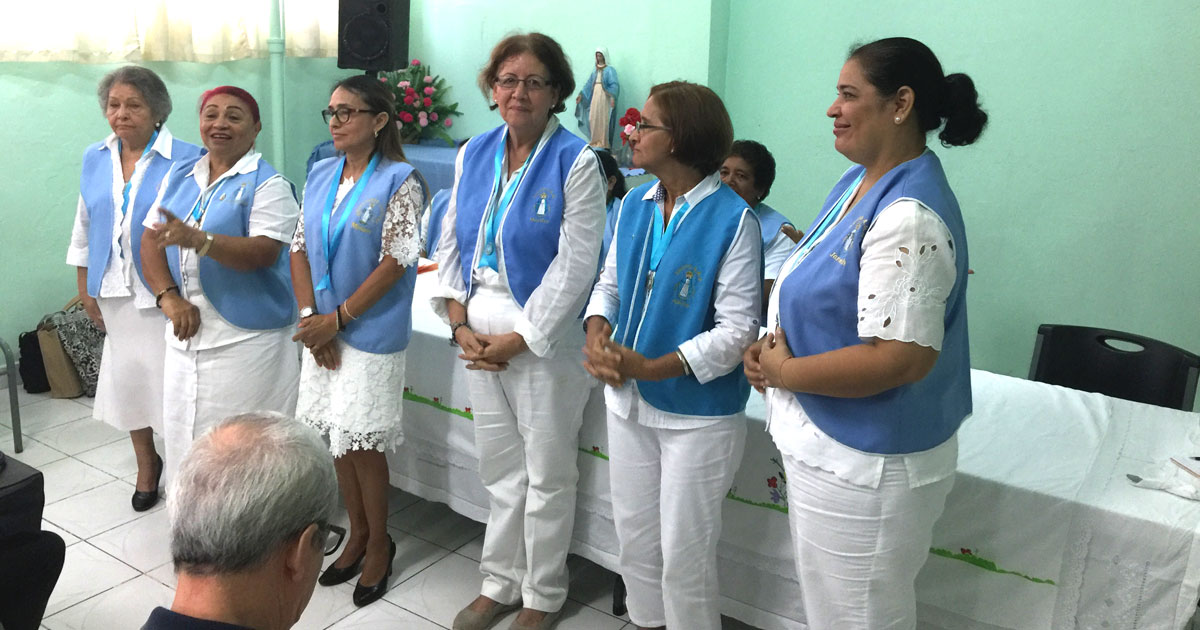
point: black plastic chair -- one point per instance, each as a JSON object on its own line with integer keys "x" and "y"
{"x": 1116, "y": 364}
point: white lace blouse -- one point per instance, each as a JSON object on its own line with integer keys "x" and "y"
{"x": 906, "y": 274}
{"x": 401, "y": 224}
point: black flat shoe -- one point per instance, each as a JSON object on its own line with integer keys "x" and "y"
{"x": 364, "y": 595}
{"x": 334, "y": 576}
{"x": 143, "y": 501}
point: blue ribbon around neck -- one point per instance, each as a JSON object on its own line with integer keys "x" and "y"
{"x": 334, "y": 239}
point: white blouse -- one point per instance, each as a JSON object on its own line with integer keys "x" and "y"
{"x": 120, "y": 277}
{"x": 274, "y": 215}
{"x": 906, "y": 274}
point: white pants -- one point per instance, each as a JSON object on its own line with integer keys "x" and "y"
{"x": 203, "y": 387}
{"x": 858, "y": 549}
{"x": 527, "y": 421}
{"x": 668, "y": 486}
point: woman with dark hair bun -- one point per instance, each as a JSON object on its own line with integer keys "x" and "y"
{"x": 867, "y": 372}
{"x": 354, "y": 286}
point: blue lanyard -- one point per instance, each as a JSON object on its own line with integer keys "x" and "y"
{"x": 810, "y": 241}
{"x": 660, "y": 238}
{"x": 203, "y": 200}
{"x": 497, "y": 211}
{"x": 129, "y": 184}
{"x": 332, "y": 241}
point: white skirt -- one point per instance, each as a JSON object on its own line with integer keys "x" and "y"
{"x": 129, "y": 388}
{"x": 357, "y": 406}
{"x": 203, "y": 387}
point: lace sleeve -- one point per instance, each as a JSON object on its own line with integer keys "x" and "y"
{"x": 906, "y": 274}
{"x": 298, "y": 237}
{"x": 401, "y": 232}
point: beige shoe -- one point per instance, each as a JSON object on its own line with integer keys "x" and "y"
{"x": 546, "y": 623}
{"x": 468, "y": 619}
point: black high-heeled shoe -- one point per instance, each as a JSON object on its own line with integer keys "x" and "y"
{"x": 334, "y": 576}
{"x": 364, "y": 595}
{"x": 143, "y": 501}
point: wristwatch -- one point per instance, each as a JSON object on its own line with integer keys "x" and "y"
{"x": 307, "y": 311}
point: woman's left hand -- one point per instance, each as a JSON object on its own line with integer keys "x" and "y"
{"x": 774, "y": 352}
{"x": 498, "y": 349}
{"x": 172, "y": 231}
{"x": 316, "y": 330}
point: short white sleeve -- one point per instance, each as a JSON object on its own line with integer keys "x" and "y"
{"x": 906, "y": 274}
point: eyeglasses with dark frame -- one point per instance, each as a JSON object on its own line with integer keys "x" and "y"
{"x": 343, "y": 114}
{"x": 533, "y": 82}
{"x": 641, "y": 126}
{"x": 331, "y": 544}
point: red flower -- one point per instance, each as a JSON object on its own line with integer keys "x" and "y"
{"x": 428, "y": 102}
{"x": 631, "y": 118}
{"x": 406, "y": 117}
{"x": 410, "y": 99}
{"x": 964, "y": 551}
{"x": 773, "y": 482}
{"x": 595, "y": 449}
{"x": 409, "y": 91}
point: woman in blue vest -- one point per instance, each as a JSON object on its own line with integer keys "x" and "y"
{"x": 119, "y": 181}
{"x": 749, "y": 171}
{"x": 527, "y": 211}
{"x": 215, "y": 257}
{"x": 868, "y": 368}
{"x": 353, "y": 270}
{"x": 677, "y": 304}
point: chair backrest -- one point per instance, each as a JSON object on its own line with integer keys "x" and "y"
{"x": 1117, "y": 364}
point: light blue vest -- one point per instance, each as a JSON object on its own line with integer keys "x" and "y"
{"x": 679, "y": 304}
{"x": 95, "y": 186}
{"x": 529, "y": 231}
{"x": 437, "y": 210}
{"x": 772, "y": 220}
{"x": 387, "y": 326}
{"x": 260, "y": 299}
{"x": 818, "y": 304}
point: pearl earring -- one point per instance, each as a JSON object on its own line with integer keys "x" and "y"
{"x": 897, "y": 120}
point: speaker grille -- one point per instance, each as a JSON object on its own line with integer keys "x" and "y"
{"x": 365, "y": 36}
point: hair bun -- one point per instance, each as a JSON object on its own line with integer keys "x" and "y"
{"x": 965, "y": 120}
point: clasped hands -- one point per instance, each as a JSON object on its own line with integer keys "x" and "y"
{"x": 608, "y": 361}
{"x": 763, "y": 361}
{"x": 317, "y": 333}
{"x": 490, "y": 353}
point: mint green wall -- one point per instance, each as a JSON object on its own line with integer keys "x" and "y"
{"x": 54, "y": 113}
{"x": 1081, "y": 197}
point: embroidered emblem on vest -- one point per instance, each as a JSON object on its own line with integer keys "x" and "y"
{"x": 238, "y": 198}
{"x": 366, "y": 215}
{"x": 684, "y": 287}
{"x": 543, "y": 196}
{"x": 848, "y": 241}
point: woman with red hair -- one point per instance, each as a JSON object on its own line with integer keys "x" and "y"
{"x": 215, "y": 256}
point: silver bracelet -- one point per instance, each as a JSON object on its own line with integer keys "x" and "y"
{"x": 687, "y": 369}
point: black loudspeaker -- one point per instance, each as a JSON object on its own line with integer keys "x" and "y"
{"x": 373, "y": 34}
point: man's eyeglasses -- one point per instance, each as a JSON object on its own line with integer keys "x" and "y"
{"x": 533, "y": 82}
{"x": 343, "y": 114}
{"x": 332, "y": 543}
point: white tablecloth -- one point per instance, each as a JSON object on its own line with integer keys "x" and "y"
{"x": 1042, "y": 530}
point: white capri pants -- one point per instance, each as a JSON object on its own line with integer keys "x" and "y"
{"x": 858, "y": 549}
{"x": 527, "y": 421}
{"x": 668, "y": 486}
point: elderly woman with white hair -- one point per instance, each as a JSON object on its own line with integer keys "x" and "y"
{"x": 120, "y": 179}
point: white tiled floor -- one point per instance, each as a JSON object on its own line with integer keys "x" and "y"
{"x": 118, "y": 565}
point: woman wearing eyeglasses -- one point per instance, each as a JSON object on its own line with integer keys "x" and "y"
{"x": 528, "y": 214}
{"x": 352, "y": 270}
{"x": 681, "y": 288}
{"x": 214, "y": 254}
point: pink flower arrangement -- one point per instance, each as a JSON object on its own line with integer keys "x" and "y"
{"x": 421, "y": 98}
